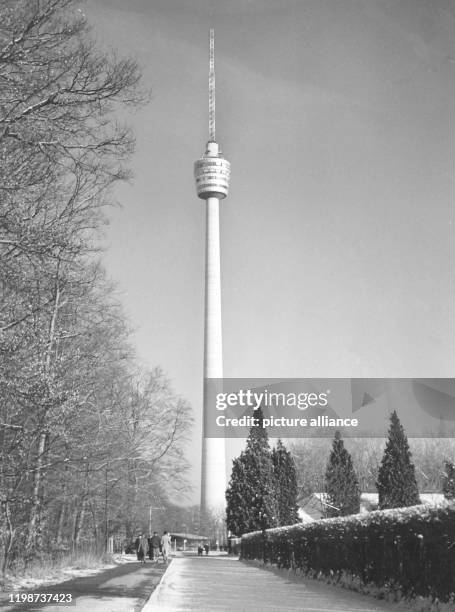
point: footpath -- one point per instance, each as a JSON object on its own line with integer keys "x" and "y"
{"x": 215, "y": 583}
{"x": 207, "y": 584}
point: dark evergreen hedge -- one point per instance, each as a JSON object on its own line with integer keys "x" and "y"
{"x": 412, "y": 548}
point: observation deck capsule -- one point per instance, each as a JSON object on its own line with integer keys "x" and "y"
{"x": 212, "y": 173}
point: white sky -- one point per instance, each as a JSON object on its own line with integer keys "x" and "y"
{"x": 337, "y": 237}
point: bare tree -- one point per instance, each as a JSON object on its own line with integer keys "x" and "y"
{"x": 77, "y": 422}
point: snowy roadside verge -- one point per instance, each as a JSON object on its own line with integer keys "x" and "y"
{"x": 61, "y": 574}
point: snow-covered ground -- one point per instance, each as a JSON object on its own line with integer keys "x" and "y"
{"x": 27, "y": 583}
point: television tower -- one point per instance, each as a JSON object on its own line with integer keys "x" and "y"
{"x": 212, "y": 173}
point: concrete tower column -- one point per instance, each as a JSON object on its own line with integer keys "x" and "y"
{"x": 213, "y": 477}
{"x": 213, "y": 344}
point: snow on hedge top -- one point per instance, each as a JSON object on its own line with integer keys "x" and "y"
{"x": 395, "y": 515}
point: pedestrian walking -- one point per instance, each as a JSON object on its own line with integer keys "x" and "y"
{"x": 137, "y": 543}
{"x": 166, "y": 546}
{"x": 155, "y": 543}
{"x": 143, "y": 547}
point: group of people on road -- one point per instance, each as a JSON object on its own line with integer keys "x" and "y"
{"x": 153, "y": 546}
{"x": 201, "y": 547}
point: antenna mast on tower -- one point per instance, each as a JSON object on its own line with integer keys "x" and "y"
{"x": 212, "y": 126}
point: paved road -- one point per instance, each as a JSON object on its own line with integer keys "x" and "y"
{"x": 124, "y": 588}
{"x": 212, "y": 584}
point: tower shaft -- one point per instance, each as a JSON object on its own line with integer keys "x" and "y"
{"x": 213, "y": 344}
{"x": 213, "y": 475}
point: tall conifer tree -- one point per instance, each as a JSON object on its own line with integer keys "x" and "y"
{"x": 342, "y": 485}
{"x": 285, "y": 485}
{"x": 396, "y": 484}
{"x": 250, "y": 496}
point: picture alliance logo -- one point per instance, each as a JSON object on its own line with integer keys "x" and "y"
{"x": 264, "y": 398}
